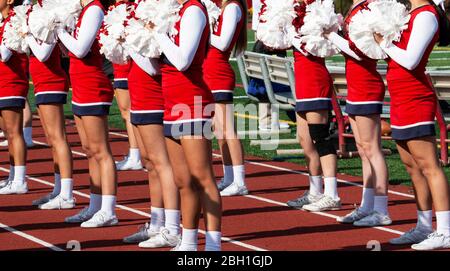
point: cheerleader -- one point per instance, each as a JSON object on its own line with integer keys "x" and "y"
{"x": 229, "y": 32}
{"x": 133, "y": 160}
{"x": 13, "y": 93}
{"x": 92, "y": 97}
{"x": 413, "y": 109}
{"x": 147, "y": 110}
{"x": 314, "y": 88}
{"x": 187, "y": 119}
{"x": 364, "y": 105}
{"x": 50, "y": 89}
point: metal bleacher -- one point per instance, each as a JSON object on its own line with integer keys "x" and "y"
{"x": 273, "y": 69}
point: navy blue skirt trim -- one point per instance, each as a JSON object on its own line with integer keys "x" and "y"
{"x": 413, "y": 132}
{"x": 317, "y": 105}
{"x": 91, "y": 110}
{"x": 146, "y": 118}
{"x": 120, "y": 84}
{"x": 223, "y": 96}
{"x": 194, "y": 127}
{"x": 12, "y": 103}
{"x": 50, "y": 98}
{"x": 363, "y": 109}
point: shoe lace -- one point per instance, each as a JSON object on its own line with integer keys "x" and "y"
{"x": 144, "y": 228}
{"x": 434, "y": 235}
{"x": 324, "y": 201}
{"x": 100, "y": 216}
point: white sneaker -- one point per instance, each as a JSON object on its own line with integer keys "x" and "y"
{"x": 128, "y": 164}
{"x": 13, "y": 188}
{"x": 163, "y": 239}
{"x": 179, "y": 247}
{"x": 4, "y": 183}
{"x": 303, "y": 200}
{"x": 234, "y": 190}
{"x": 325, "y": 203}
{"x": 222, "y": 184}
{"x": 434, "y": 241}
{"x": 43, "y": 200}
{"x": 373, "y": 220}
{"x": 82, "y": 216}
{"x": 59, "y": 203}
{"x": 352, "y": 217}
{"x": 100, "y": 219}
{"x": 413, "y": 236}
{"x": 144, "y": 233}
{"x": 4, "y": 143}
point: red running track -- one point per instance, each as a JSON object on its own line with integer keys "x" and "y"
{"x": 259, "y": 221}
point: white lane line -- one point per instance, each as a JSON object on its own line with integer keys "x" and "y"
{"x": 30, "y": 238}
{"x": 132, "y": 210}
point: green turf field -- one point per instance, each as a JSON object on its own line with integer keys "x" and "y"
{"x": 440, "y": 60}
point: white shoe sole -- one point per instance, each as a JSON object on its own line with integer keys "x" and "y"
{"x": 109, "y": 224}
{"x": 56, "y": 207}
{"x": 234, "y": 195}
{"x": 16, "y": 193}
{"x": 321, "y": 210}
{"x": 372, "y": 225}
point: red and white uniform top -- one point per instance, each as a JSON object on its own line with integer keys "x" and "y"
{"x": 218, "y": 73}
{"x": 13, "y": 74}
{"x": 313, "y": 83}
{"x": 365, "y": 85}
{"x": 49, "y": 78}
{"x": 413, "y": 101}
{"x": 92, "y": 90}
{"x": 182, "y": 67}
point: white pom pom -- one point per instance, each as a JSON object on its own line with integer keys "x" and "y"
{"x": 386, "y": 17}
{"x": 112, "y": 36}
{"x": 320, "y": 17}
{"x": 213, "y": 12}
{"x": 163, "y": 14}
{"x": 66, "y": 12}
{"x": 275, "y": 28}
{"x": 17, "y": 25}
{"x": 41, "y": 23}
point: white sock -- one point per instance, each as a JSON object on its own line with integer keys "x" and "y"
{"x": 315, "y": 185}
{"x": 28, "y": 134}
{"x": 331, "y": 187}
{"x": 109, "y": 204}
{"x": 172, "y": 221}
{"x": 213, "y": 241}
{"x": 95, "y": 203}
{"x": 57, "y": 187}
{"x": 381, "y": 205}
{"x": 157, "y": 219}
{"x": 11, "y": 173}
{"x": 66, "y": 188}
{"x": 368, "y": 200}
{"x": 239, "y": 175}
{"x": 443, "y": 222}
{"x": 19, "y": 174}
{"x": 228, "y": 174}
{"x": 189, "y": 239}
{"x": 425, "y": 220}
{"x": 134, "y": 154}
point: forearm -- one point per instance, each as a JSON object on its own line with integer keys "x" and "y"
{"x": 231, "y": 17}
{"x": 41, "y": 51}
{"x": 80, "y": 47}
{"x": 343, "y": 45}
{"x": 149, "y": 65}
{"x": 424, "y": 29}
{"x": 191, "y": 31}
{"x": 5, "y": 53}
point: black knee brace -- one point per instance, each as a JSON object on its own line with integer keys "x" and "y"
{"x": 320, "y": 135}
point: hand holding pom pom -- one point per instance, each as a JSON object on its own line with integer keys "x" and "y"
{"x": 213, "y": 12}
{"x": 152, "y": 17}
{"x": 383, "y": 20}
{"x": 13, "y": 37}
